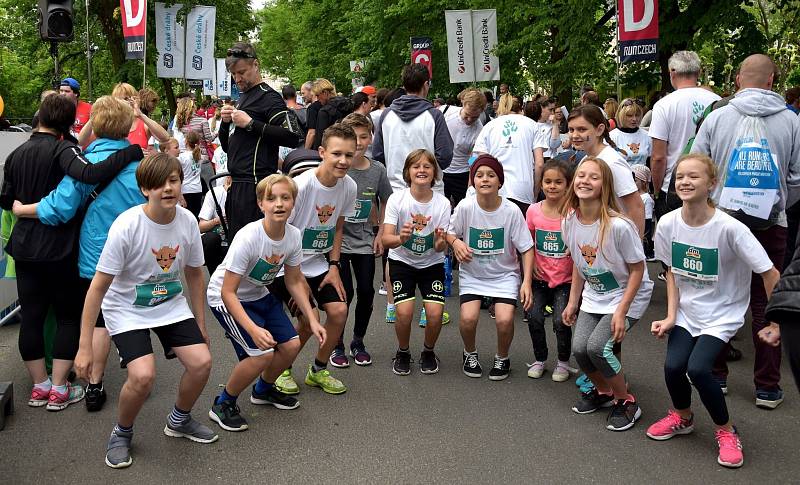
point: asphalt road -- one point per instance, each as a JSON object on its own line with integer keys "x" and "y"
{"x": 443, "y": 428}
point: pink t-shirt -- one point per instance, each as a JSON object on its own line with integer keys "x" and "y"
{"x": 551, "y": 254}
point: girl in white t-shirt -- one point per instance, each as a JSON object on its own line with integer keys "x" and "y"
{"x": 192, "y": 190}
{"x": 486, "y": 232}
{"x": 710, "y": 258}
{"x": 611, "y": 285}
{"x": 414, "y": 231}
{"x": 588, "y": 131}
{"x": 632, "y": 141}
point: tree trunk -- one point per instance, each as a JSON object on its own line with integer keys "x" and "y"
{"x": 170, "y": 94}
{"x": 562, "y": 90}
{"x": 111, "y": 25}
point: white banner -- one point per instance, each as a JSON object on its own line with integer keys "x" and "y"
{"x": 210, "y": 87}
{"x": 459, "y": 46}
{"x": 169, "y": 41}
{"x": 484, "y": 28}
{"x": 200, "y": 27}
{"x": 223, "y": 79}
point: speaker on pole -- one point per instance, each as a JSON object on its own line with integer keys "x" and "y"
{"x": 55, "y": 20}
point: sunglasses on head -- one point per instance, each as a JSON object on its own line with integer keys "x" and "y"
{"x": 240, "y": 54}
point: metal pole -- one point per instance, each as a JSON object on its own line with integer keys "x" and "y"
{"x": 616, "y": 30}
{"x": 144, "y": 57}
{"x": 88, "y": 55}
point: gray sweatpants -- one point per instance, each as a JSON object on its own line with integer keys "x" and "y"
{"x": 593, "y": 343}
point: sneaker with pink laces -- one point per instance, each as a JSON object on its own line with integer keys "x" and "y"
{"x": 58, "y": 401}
{"x": 670, "y": 425}
{"x": 730, "y": 448}
{"x": 39, "y": 397}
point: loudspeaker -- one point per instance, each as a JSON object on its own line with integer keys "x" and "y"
{"x": 55, "y": 20}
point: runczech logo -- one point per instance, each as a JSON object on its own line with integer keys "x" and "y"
{"x": 437, "y": 286}
{"x": 693, "y": 253}
{"x": 397, "y": 286}
{"x": 550, "y": 237}
{"x": 322, "y": 235}
{"x": 486, "y": 235}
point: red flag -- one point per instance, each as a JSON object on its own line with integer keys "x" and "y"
{"x": 134, "y": 23}
{"x": 637, "y": 21}
{"x": 421, "y": 52}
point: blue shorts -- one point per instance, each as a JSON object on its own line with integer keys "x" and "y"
{"x": 267, "y": 313}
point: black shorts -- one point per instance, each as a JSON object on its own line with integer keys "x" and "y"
{"x": 495, "y": 299}
{"x": 322, "y": 296}
{"x": 136, "y": 343}
{"x": 406, "y": 279}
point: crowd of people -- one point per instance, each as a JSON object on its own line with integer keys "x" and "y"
{"x": 533, "y": 205}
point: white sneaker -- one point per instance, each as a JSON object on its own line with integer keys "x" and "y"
{"x": 562, "y": 371}
{"x": 536, "y": 370}
{"x": 382, "y": 290}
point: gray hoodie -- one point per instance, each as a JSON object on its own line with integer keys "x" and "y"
{"x": 717, "y": 138}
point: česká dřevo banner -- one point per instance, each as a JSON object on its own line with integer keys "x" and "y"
{"x": 169, "y": 41}
{"x": 471, "y": 41}
{"x": 134, "y": 23}
{"x": 637, "y": 21}
{"x": 200, "y": 29}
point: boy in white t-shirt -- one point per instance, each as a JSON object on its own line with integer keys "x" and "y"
{"x": 264, "y": 339}
{"x": 138, "y": 281}
{"x": 325, "y": 196}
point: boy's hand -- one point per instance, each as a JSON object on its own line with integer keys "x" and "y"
{"x": 771, "y": 334}
{"x": 332, "y": 278}
{"x": 377, "y": 246}
{"x": 16, "y": 206}
{"x": 405, "y": 232}
{"x": 83, "y": 363}
{"x": 438, "y": 236}
{"x": 319, "y": 332}
{"x": 462, "y": 252}
{"x": 262, "y": 338}
{"x": 659, "y": 328}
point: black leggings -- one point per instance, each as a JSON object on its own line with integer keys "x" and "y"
{"x": 213, "y": 251}
{"x": 41, "y": 285}
{"x": 194, "y": 202}
{"x": 364, "y": 272}
{"x": 694, "y": 356}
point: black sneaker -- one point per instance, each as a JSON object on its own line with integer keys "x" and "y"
{"x": 472, "y": 366}
{"x": 428, "y": 362}
{"x": 623, "y": 414}
{"x": 402, "y": 363}
{"x": 95, "y": 398}
{"x": 500, "y": 369}
{"x": 733, "y": 354}
{"x": 227, "y": 415}
{"x": 592, "y": 401}
{"x": 274, "y": 397}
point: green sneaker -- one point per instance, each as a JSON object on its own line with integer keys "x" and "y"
{"x": 286, "y": 384}
{"x": 445, "y": 318}
{"x": 325, "y": 381}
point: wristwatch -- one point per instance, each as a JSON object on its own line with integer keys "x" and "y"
{"x": 334, "y": 262}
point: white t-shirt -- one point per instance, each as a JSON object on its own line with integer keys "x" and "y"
{"x": 208, "y": 211}
{"x": 317, "y": 208}
{"x": 426, "y": 217}
{"x": 511, "y": 139}
{"x": 605, "y": 270}
{"x": 636, "y": 145}
{"x": 191, "y": 173}
{"x": 712, "y": 265}
{"x": 258, "y": 259}
{"x": 463, "y": 136}
{"x": 675, "y": 119}
{"x": 146, "y": 260}
{"x": 220, "y": 161}
{"x": 649, "y": 205}
{"x": 545, "y": 133}
{"x": 495, "y": 237}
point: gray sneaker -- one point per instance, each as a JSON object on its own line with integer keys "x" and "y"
{"x": 191, "y": 430}
{"x": 118, "y": 451}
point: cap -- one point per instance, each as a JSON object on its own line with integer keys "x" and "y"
{"x": 71, "y": 82}
{"x": 490, "y": 162}
{"x": 368, "y": 90}
{"x": 641, "y": 172}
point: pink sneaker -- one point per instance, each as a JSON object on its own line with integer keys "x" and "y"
{"x": 670, "y": 425}
{"x": 38, "y": 397}
{"x": 59, "y": 401}
{"x": 730, "y": 448}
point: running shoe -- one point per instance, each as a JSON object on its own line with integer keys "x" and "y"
{"x": 95, "y": 398}
{"x": 491, "y": 311}
{"x": 733, "y": 354}
{"x": 286, "y": 383}
{"x": 764, "y": 399}
{"x": 428, "y": 362}
{"x": 391, "y": 314}
{"x": 472, "y": 366}
{"x": 548, "y": 310}
{"x": 526, "y": 317}
{"x": 584, "y": 383}
{"x": 192, "y": 430}
{"x": 39, "y": 397}
{"x": 623, "y": 415}
{"x": 423, "y": 318}
{"x": 359, "y": 353}
{"x": 562, "y": 372}
{"x": 536, "y": 370}
{"x": 730, "y": 448}
{"x": 591, "y": 401}
{"x": 445, "y": 318}
{"x": 500, "y": 369}
{"x": 670, "y": 425}
{"x": 382, "y": 289}
{"x": 662, "y": 276}
{"x": 401, "y": 364}
{"x": 118, "y": 450}
{"x": 228, "y": 416}
{"x": 338, "y": 358}
{"x": 325, "y": 381}
{"x": 274, "y": 397}
{"x": 58, "y": 401}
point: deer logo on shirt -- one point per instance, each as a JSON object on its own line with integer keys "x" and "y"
{"x": 274, "y": 259}
{"x": 634, "y": 148}
{"x": 166, "y": 256}
{"x": 589, "y": 254}
{"x": 324, "y": 213}
{"x": 419, "y": 222}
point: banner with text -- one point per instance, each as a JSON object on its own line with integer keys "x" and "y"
{"x": 200, "y": 28}
{"x": 637, "y": 23}
{"x": 134, "y": 22}
{"x": 421, "y": 52}
{"x": 484, "y": 31}
{"x": 169, "y": 41}
{"x": 460, "y": 61}
{"x": 223, "y": 79}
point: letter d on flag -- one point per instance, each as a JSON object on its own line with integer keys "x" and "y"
{"x": 637, "y": 24}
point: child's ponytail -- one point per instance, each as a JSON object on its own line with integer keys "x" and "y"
{"x": 193, "y": 143}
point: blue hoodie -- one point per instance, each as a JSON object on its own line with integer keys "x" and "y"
{"x": 63, "y": 203}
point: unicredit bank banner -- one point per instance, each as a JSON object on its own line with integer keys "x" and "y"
{"x": 637, "y": 21}
{"x": 134, "y": 22}
{"x": 421, "y": 52}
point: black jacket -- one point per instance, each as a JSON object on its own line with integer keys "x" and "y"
{"x": 784, "y": 305}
